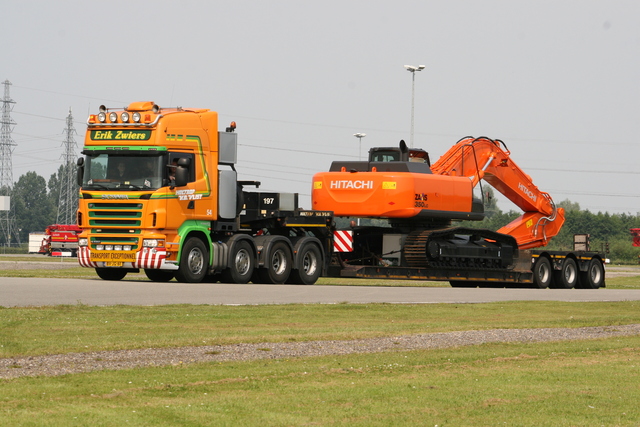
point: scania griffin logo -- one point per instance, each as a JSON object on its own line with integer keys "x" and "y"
{"x": 349, "y": 184}
{"x": 115, "y": 196}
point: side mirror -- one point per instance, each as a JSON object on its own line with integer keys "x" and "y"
{"x": 80, "y": 171}
{"x": 182, "y": 176}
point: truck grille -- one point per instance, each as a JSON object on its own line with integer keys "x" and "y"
{"x": 115, "y": 223}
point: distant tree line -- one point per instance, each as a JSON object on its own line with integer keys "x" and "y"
{"x": 34, "y": 203}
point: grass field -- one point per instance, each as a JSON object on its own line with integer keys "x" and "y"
{"x": 577, "y": 383}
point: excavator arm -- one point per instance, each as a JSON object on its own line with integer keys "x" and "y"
{"x": 484, "y": 158}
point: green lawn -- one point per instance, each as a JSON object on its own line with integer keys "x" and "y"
{"x": 577, "y": 383}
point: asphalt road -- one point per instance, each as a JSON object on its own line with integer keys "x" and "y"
{"x": 40, "y": 292}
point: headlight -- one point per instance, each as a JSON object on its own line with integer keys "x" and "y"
{"x": 126, "y": 247}
{"x": 153, "y": 243}
{"x": 102, "y": 117}
{"x": 136, "y": 117}
{"x": 83, "y": 241}
{"x": 113, "y": 117}
{"x": 125, "y": 117}
{"x": 117, "y": 247}
{"x": 108, "y": 247}
{"x": 100, "y": 247}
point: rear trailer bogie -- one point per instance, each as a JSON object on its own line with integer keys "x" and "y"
{"x": 477, "y": 258}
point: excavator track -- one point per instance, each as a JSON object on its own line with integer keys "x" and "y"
{"x": 415, "y": 248}
{"x": 460, "y": 248}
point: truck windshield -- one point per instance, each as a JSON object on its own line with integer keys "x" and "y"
{"x": 123, "y": 172}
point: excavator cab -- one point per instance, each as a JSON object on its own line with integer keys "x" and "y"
{"x": 399, "y": 154}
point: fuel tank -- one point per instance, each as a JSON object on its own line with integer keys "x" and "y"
{"x": 394, "y": 189}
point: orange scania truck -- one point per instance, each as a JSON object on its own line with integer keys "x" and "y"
{"x": 160, "y": 193}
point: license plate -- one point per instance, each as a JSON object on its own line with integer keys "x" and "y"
{"x": 113, "y": 256}
{"x": 113, "y": 264}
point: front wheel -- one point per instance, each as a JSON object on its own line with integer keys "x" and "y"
{"x": 193, "y": 261}
{"x": 111, "y": 273}
{"x": 241, "y": 264}
{"x": 593, "y": 278}
{"x": 542, "y": 273}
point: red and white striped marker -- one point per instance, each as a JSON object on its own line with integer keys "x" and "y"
{"x": 343, "y": 241}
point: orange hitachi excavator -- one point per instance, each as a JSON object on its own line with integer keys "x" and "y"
{"x": 420, "y": 201}
{"x": 399, "y": 183}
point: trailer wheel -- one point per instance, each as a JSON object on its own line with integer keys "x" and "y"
{"x": 542, "y": 273}
{"x": 111, "y": 273}
{"x": 277, "y": 266}
{"x": 241, "y": 264}
{"x": 567, "y": 276}
{"x": 193, "y": 261}
{"x": 593, "y": 278}
{"x": 309, "y": 270}
{"x": 159, "y": 275}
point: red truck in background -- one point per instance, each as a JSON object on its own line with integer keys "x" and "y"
{"x": 60, "y": 240}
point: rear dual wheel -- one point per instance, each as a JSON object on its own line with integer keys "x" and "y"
{"x": 593, "y": 278}
{"x": 277, "y": 266}
{"x": 567, "y": 276}
{"x": 242, "y": 263}
{"x": 310, "y": 266}
{"x": 542, "y": 273}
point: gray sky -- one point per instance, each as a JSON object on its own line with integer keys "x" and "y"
{"x": 558, "y": 81}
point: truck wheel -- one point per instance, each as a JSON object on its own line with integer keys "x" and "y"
{"x": 241, "y": 265}
{"x": 593, "y": 278}
{"x": 277, "y": 266}
{"x": 159, "y": 275}
{"x": 542, "y": 273}
{"x": 309, "y": 270}
{"x": 111, "y": 273}
{"x": 193, "y": 262}
{"x": 567, "y": 276}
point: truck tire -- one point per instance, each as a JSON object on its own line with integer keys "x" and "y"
{"x": 194, "y": 261}
{"x": 309, "y": 264}
{"x": 593, "y": 278}
{"x": 159, "y": 275}
{"x": 277, "y": 265}
{"x": 567, "y": 276}
{"x": 542, "y": 273}
{"x": 111, "y": 273}
{"x": 241, "y": 264}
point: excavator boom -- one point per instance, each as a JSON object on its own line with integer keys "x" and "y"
{"x": 490, "y": 160}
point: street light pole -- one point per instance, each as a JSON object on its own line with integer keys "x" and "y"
{"x": 412, "y": 69}
{"x": 360, "y": 136}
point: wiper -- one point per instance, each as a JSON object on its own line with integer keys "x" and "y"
{"x": 96, "y": 187}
